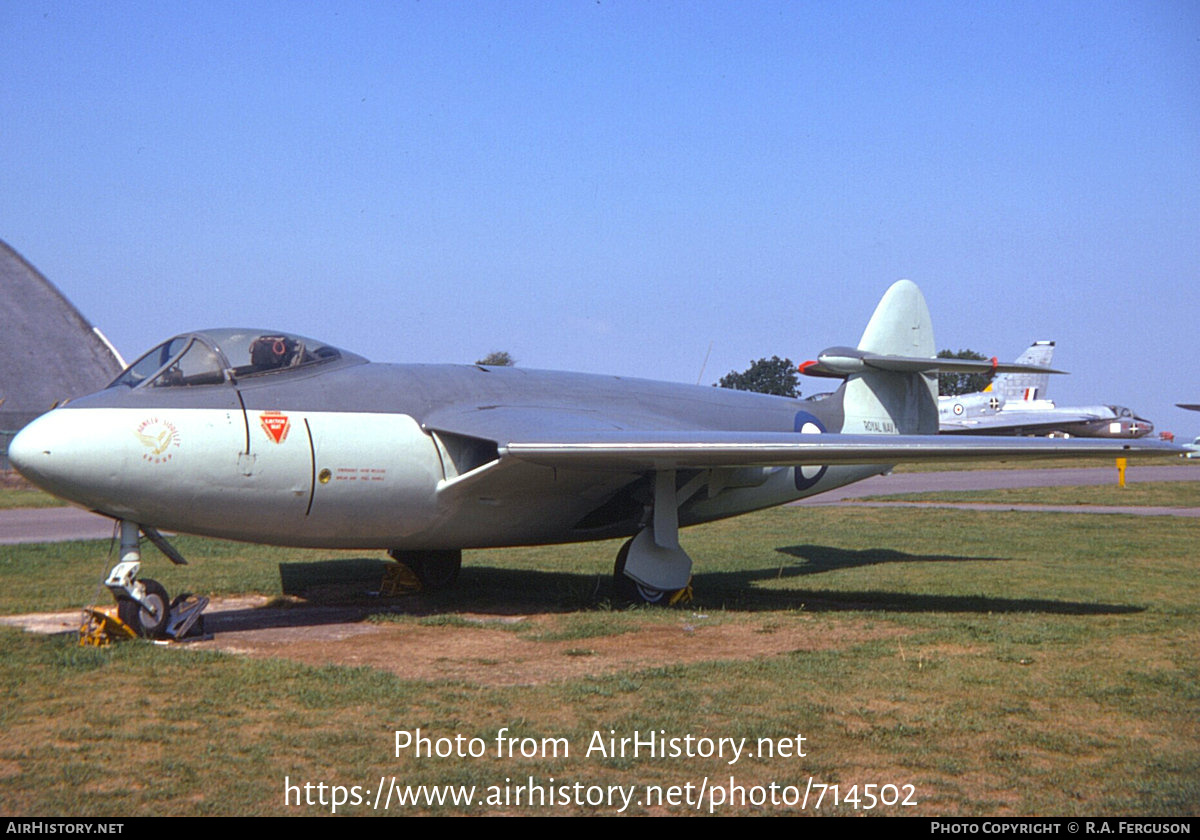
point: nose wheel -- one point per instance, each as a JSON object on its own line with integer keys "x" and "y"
{"x": 148, "y": 617}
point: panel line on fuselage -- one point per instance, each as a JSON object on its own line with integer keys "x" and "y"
{"x": 312, "y": 453}
{"x": 245, "y": 417}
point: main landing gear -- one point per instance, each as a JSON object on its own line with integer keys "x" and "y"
{"x": 143, "y": 607}
{"x": 652, "y": 568}
{"x": 628, "y": 591}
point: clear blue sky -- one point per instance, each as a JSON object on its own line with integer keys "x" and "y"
{"x": 613, "y": 186}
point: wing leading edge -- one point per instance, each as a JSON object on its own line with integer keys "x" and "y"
{"x": 638, "y": 451}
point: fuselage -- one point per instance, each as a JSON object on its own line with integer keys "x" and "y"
{"x": 339, "y": 452}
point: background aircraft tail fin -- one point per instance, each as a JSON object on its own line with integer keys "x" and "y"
{"x": 1027, "y": 386}
{"x": 881, "y": 401}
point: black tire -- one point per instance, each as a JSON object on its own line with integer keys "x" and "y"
{"x": 627, "y": 591}
{"x": 147, "y": 624}
{"x": 435, "y": 569}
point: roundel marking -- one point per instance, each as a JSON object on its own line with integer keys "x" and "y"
{"x": 808, "y": 476}
{"x": 958, "y": 409}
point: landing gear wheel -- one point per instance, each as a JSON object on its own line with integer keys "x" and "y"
{"x": 629, "y": 591}
{"x": 149, "y": 623}
{"x": 434, "y": 569}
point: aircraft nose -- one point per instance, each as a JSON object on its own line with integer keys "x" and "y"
{"x": 47, "y": 453}
{"x": 30, "y": 451}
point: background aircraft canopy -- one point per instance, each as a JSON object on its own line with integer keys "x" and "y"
{"x": 201, "y": 358}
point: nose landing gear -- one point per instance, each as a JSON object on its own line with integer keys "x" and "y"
{"x": 143, "y": 607}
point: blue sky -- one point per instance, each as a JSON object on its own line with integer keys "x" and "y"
{"x": 615, "y": 186}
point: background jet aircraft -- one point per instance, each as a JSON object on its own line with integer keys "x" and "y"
{"x": 1016, "y": 404}
{"x": 271, "y": 437}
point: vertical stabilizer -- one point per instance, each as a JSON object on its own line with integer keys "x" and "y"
{"x": 891, "y": 402}
{"x": 901, "y": 325}
{"x": 1026, "y": 386}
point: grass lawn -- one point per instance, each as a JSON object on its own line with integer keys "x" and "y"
{"x": 24, "y": 496}
{"x": 998, "y": 663}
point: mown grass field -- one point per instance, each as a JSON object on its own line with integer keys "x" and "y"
{"x": 1000, "y": 663}
{"x": 24, "y": 496}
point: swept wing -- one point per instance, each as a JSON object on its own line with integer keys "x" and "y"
{"x": 640, "y": 451}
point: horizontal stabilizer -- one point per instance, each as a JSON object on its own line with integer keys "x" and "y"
{"x": 840, "y": 362}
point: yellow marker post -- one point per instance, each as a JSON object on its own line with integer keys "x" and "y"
{"x": 1121, "y": 464}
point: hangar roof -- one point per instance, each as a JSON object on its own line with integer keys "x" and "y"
{"x": 48, "y": 351}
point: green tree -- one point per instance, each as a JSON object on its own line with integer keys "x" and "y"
{"x": 501, "y": 358}
{"x": 766, "y": 376}
{"x": 950, "y": 384}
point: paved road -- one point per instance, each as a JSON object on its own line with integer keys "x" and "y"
{"x": 63, "y": 523}
{"x": 926, "y": 482}
{"x": 56, "y": 524}
{"x": 1128, "y": 510}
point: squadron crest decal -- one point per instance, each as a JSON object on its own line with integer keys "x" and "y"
{"x": 159, "y": 437}
{"x": 276, "y": 425}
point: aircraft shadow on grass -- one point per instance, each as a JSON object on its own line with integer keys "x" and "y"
{"x": 335, "y": 591}
{"x": 354, "y": 583}
{"x": 825, "y": 558}
{"x": 820, "y": 559}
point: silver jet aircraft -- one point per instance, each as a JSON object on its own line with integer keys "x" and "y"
{"x": 1016, "y": 404}
{"x": 274, "y": 438}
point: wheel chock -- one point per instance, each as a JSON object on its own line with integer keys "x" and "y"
{"x": 682, "y": 596}
{"x": 186, "y": 620}
{"x": 399, "y": 579}
{"x": 102, "y": 627}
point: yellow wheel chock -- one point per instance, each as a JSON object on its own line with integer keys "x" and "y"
{"x": 399, "y": 579}
{"x": 103, "y": 627}
{"x": 682, "y": 596}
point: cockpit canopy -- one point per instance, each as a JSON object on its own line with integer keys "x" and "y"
{"x": 212, "y": 356}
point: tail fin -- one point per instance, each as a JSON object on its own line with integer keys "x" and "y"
{"x": 1026, "y": 386}
{"x": 883, "y": 401}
